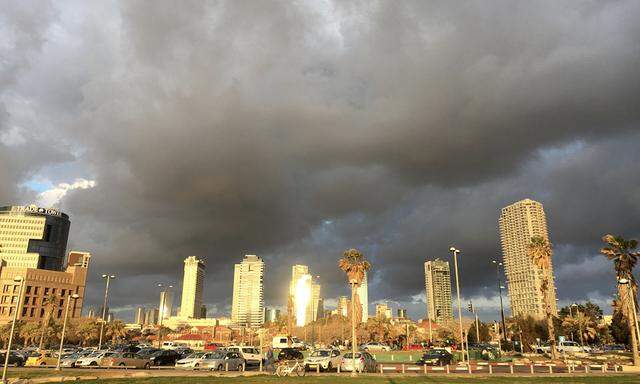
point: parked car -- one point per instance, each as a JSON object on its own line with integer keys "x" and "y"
{"x": 327, "y": 359}
{"x": 14, "y": 358}
{"x": 284, "y": 341}
{"x": 126, "y": 359}
{"x": 94, "y": 359}
{"x": 566, "y": 346}
{"x": 71, "y": 359}
{"x": 436, "y": 357}
{"x": 374, "y": 346}
{"x": 614, "y": 348}
{"x": 290, "y": 354}
{"x": 364, "y": 362}
{"x": 194, "y": 360}
{"x": 224, "y": 360}
{"x": 164, "y": 357}
{"x": 250, "y": 354}
{"x": 46, "y": 358}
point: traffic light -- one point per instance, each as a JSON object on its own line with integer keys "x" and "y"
{"x": 470, "y": 306}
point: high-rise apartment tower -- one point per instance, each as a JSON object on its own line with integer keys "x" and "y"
{"x": 519, "y": 222}
{"x": 247, "y": 308}
{"x": 437, "y": 281}
{"x": 192, "y": 287}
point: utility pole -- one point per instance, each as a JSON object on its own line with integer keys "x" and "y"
{"x": 104, "y": 307}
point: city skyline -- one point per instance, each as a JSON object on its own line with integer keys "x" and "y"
{"x": 398, "y": 128}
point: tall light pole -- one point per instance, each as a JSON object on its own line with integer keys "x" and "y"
{"x": 455, "y": 252}
{"x": 504, "y": 327}
{"x": 161, "y": 313}
{"x": 64, "y": 326}
{"x": 17, "y": 279}
{"x": 104, "y": 307}
{"x": 571, "y": 314}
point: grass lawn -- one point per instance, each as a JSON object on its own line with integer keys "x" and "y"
{"x": 619, "y": 379}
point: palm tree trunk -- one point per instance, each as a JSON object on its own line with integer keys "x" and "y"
{"x": 631, "y": 322}
{"x": 44, "y": 326}
{"x": 549, "y": 316}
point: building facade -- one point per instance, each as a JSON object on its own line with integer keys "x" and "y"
{"x": 313, "y": 311}
{"x": 192, "y": 287}
{"x": 44, "y": 290}
{"x": 151, "y": 316}
{"x": 519, "y": 222}
{"x": 437, "y": 280}
{"x": 33, "y": 237}
{"x": 344, "y": 305}
{"x": 247, "y": 307}
{"x": 363, "y": 294}
{"x": 383, "y": 312}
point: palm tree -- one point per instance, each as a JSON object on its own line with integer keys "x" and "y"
{"x": 49, "y": 303}
{"x": 582, "y": 324}
{"x": 539, "y": 251}
{"x": 116, "y": 330}
{"x": 88, "y": 331}
{"x": 625, "y": 257}
{"x": 29, "y": 332}
{"x": 355, "y": 266}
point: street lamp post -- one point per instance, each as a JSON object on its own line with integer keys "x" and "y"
{"x": 64, "y": 326}
{"x": 504, "y": 327}
{"x": 455, "y": 252}
{"x": 163, "y": 308}
{"x": 571, "y": 314}
{"x": 17, "y": 279}
{"x": 104, "y": 307}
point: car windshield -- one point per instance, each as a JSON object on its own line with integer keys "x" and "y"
{"x": 196, "y": 355}
{"x": 320, "y": 354}
{"x": 433, "y": 354}
{"x": 95, "y": 354}
{"x": 349, "y": 355}
{"x": 216, "y": 355}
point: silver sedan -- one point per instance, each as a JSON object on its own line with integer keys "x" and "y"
{"x": 223, "y": 360}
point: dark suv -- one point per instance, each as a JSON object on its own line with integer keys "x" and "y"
{"x": 164, "y": 357}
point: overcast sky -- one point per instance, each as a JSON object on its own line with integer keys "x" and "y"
{"x": 296, "y": 129}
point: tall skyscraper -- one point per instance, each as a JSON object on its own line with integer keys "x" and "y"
{"x": 247, "y": 308}
{"x": 151, "y": 316}
{"x": 33, "y": 237}
{"x": 363, "y": 293}
{"x": 519, "y": 222}
{"x": 140, "y": 313}
{"x": 297, "y": 271}
{"x": 312, "y": 312}
{"x": 165, "y": 308}
{"x": 437, "y": 281}
{"x": 192, "y": 287}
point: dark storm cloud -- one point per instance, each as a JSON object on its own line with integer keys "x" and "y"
{"x": 296, "y": 130}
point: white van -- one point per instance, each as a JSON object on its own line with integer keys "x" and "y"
{"x": 282, "y": 341}
{"x": 171, "y": 345}
{"x": 250, "y": 354}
